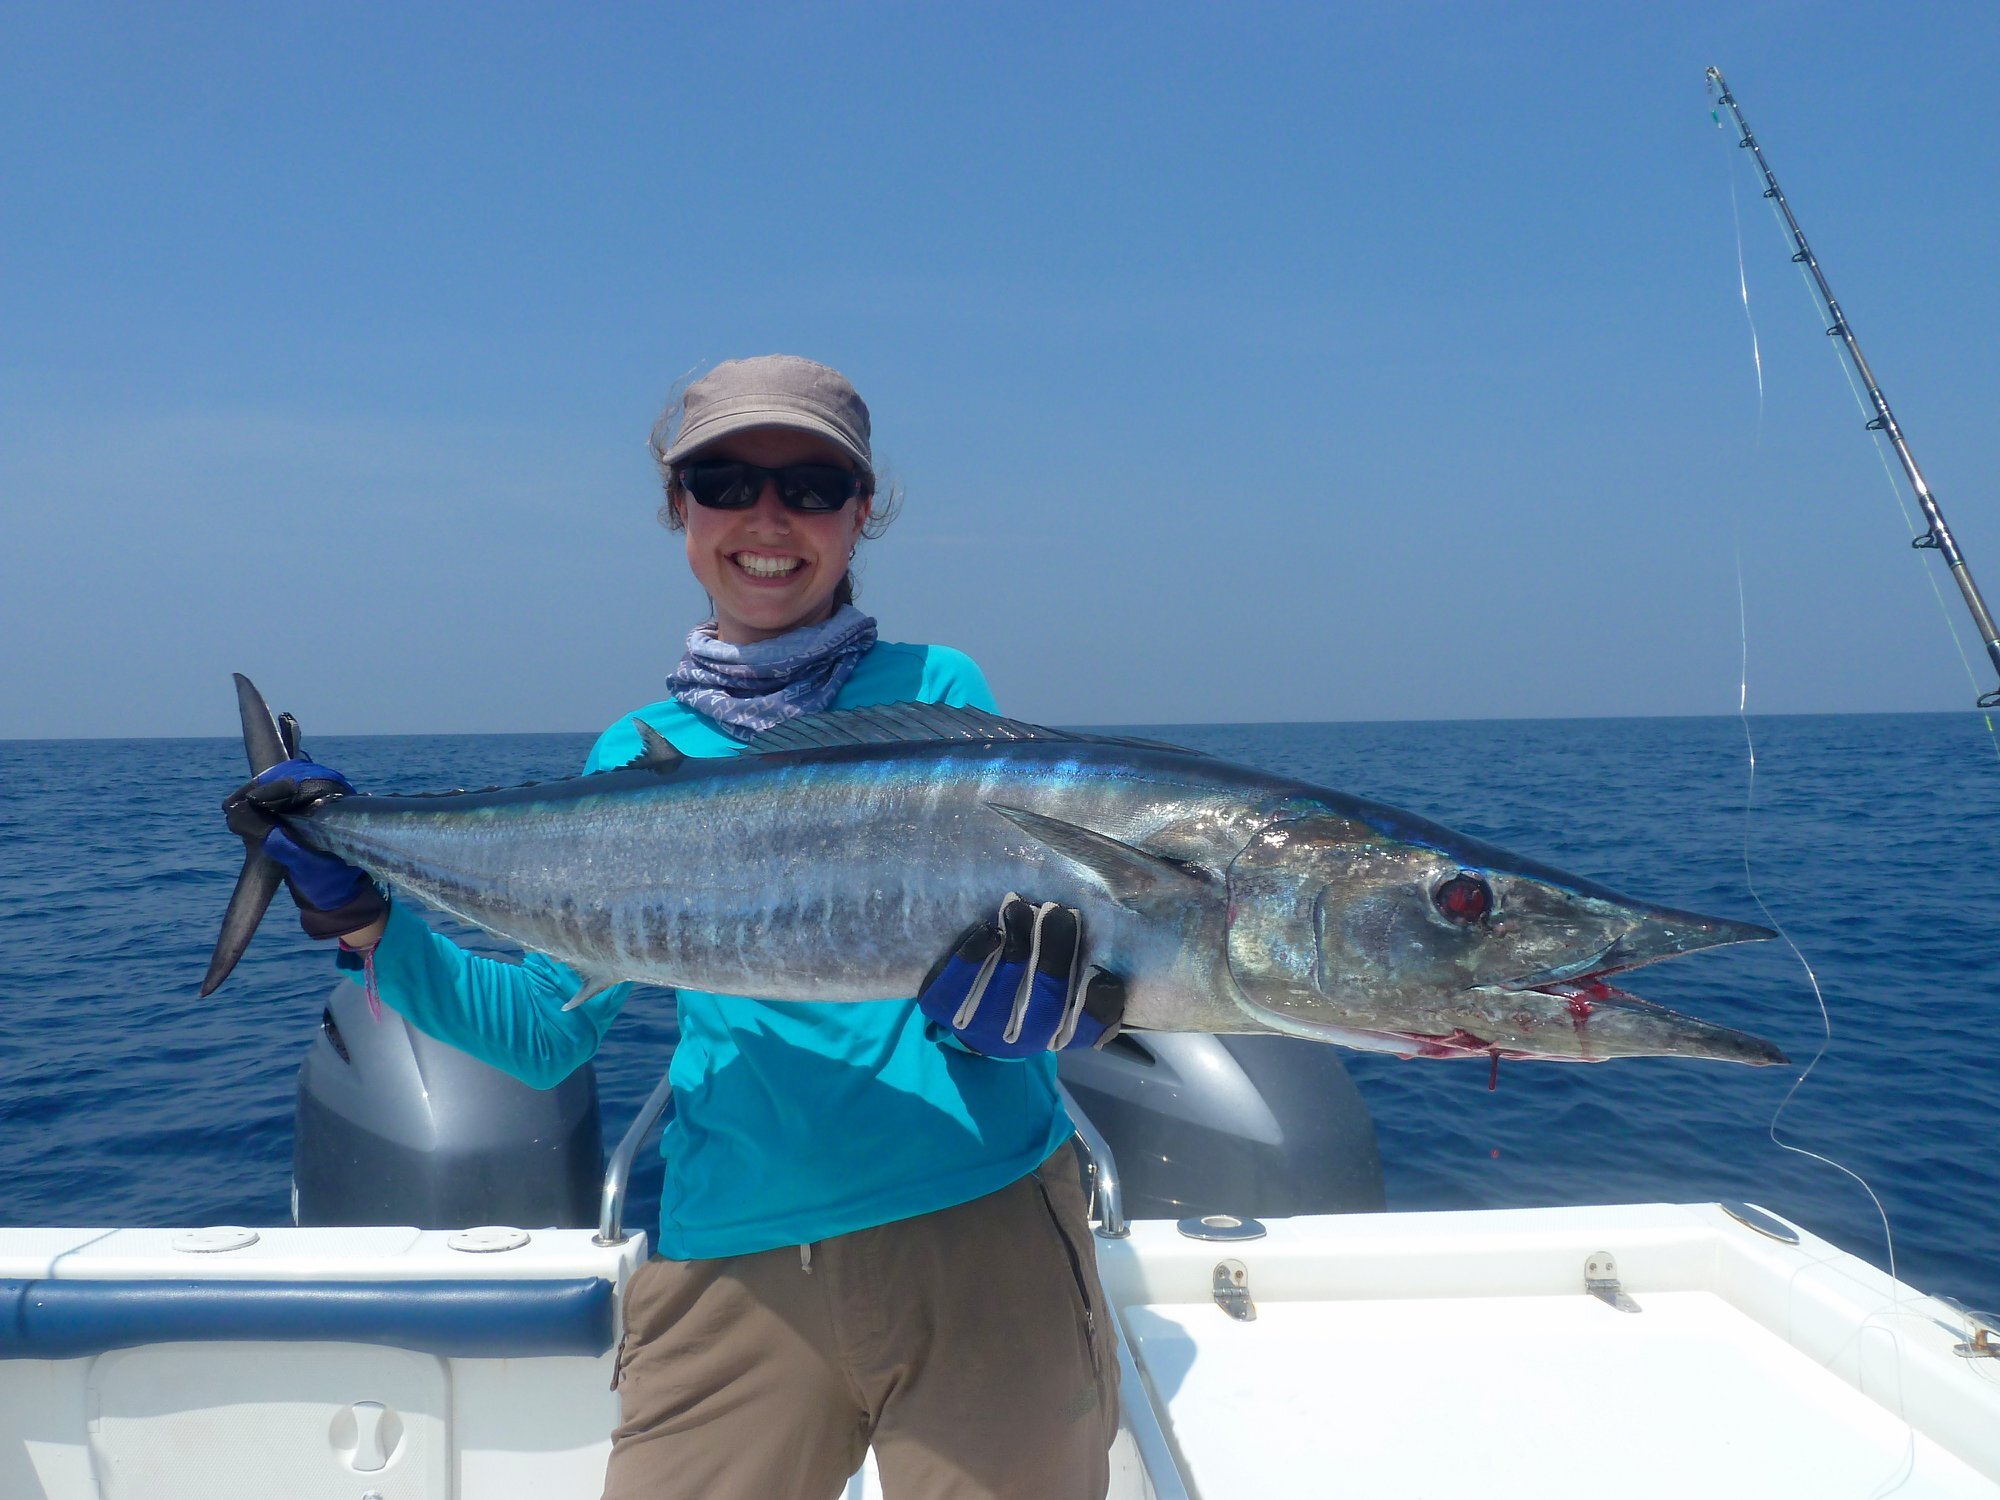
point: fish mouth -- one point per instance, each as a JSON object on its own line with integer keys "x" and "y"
{"x": 1570, "y": 1013}
{"x": 1586, "y": 1020}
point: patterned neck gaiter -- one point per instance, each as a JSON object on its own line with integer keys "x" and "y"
{"x": 748, "y": 689}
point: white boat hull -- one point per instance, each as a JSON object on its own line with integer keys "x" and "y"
{"x": 1390, "y": 1355}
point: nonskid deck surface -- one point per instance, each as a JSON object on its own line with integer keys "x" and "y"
{"x": 1391, "y": 1354}
{"x": 1432, "y": 1354}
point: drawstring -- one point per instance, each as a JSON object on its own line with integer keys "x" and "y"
{"x": 367, "y": 977}
{"x": 806, "y": 1259}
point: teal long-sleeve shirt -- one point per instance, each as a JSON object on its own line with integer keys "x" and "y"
{"x": 792, "y": 1121}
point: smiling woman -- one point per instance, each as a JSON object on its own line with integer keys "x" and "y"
{"x": 774, "y": 520}
{"x": 873, "y": 1231}
{"x": 770, "y": 532}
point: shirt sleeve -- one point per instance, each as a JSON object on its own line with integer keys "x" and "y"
{"x": 953, "y": 679}
{"x": 507, "y": 1015}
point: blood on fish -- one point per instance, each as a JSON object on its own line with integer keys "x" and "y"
{"x": 1459, "y": 1043}
{"x": 1579, "y": 1013}
{"x": 1582, "y": 999}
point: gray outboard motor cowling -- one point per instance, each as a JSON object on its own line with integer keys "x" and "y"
{"x": 1265, "y": 1126}
{"x": 394, "y": 1127}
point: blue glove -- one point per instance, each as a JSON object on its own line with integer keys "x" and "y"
{"x": 1017, "y": 986}
{"x": 334, "y": 898}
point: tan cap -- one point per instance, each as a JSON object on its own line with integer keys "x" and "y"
{"x": 772, "y": 390}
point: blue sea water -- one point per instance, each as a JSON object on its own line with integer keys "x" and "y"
{"x": 1875, "y": 840}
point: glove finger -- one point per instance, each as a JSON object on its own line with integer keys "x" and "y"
{"x": 298, "y": 768}
{"x": 970, "y": 946}
{"x": 1098, "y": 1015}
{"x": 290, "y": 794}
{"x": 1055, "y": 947}
{"x": 1104, "y": 998}
{"x": 296, "y": 781}
{"x": 952, "y": 990}
{"x": 977, "y": 942}
{"x": 1017, "y": 927}
{"x": 247, "y": 820}
{"x": 278, "y": 794}
{"x": 1040, "y": 994}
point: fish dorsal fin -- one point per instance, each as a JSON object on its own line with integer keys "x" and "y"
{"x": 896, "y": 723}
{"x": 656, "y": 752}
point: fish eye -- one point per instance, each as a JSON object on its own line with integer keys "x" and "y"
{"x": 1464, "y": 899}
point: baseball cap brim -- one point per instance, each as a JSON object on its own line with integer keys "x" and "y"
{"x": 717, "y": 425}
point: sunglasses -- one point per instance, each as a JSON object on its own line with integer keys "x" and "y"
{"x": 810, "y": 489}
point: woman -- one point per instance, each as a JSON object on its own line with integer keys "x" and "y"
{"x": 872, "y": 1227}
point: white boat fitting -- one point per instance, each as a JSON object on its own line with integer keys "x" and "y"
{"x": 1640, "y": 1350}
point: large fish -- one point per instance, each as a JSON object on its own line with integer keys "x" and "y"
{"x": 842, "y": 853}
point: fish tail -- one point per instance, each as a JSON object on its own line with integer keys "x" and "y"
{"x": 265, "y": 744}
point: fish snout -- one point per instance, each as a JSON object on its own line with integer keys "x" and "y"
{"x": 1668, "y": 934}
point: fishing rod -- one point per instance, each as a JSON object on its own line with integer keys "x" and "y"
{"x": 1938, "y": 538}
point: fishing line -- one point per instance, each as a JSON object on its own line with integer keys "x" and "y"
{"x": 1812, "y": 978}
{"x": 1743, "y": 290}
{"x": 1896, "y": 1299}
{"x": 1902, "y": 1475}
{"x": 1750, "y": 789}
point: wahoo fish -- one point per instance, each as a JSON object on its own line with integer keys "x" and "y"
{"x": 840, "y": 854}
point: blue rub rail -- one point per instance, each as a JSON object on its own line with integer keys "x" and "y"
{"x": 65, "y": 1319}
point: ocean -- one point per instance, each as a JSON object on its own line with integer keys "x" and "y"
{"x": 1875, "y": 841}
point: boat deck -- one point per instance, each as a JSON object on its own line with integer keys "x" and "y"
{"x": 1423, "y": 1354}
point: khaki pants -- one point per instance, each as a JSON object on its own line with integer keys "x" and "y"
{"x": 971, "y": 1347}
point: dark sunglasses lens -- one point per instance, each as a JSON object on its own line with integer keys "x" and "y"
{"x": 816, "y": 487}
{"x": 719, "y": 486}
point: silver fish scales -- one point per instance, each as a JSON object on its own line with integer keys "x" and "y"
{"x": 840, "y": 855}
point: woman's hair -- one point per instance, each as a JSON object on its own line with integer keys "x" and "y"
{"x": 882, "y": 490}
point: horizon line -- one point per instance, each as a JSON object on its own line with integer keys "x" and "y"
{"x": 391, "y": 734}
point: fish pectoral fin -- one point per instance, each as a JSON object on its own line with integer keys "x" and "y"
{"x": 1133, "y": 875}
{"x": 656, "y": 752}
{"x": 592, "y": 986}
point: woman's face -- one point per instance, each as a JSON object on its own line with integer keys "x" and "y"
{"x": 768, "y": 569}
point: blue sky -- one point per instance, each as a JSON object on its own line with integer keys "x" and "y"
{"x": 1240, "y": 363}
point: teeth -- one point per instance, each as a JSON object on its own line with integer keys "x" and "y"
{"x": 767, "y": 567}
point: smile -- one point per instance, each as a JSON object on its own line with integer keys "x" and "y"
{"x": 766, "y": 567}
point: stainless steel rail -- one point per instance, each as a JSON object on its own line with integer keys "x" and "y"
{"x": 618, "y": 1171}
{"x": 1111, "y": 1221}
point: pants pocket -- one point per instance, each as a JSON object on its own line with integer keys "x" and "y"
{"x": 1058, "y": 1186}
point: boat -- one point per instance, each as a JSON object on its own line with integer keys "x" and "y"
{"x": 1279, "y": 1335}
